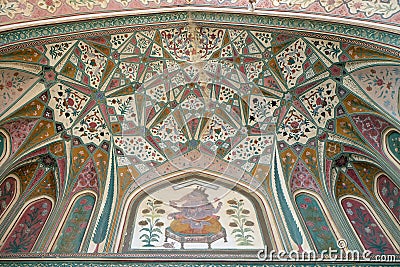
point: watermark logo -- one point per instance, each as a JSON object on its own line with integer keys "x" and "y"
{"x": 331, "y": 254}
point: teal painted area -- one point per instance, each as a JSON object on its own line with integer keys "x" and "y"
{"x": 74, "y": 229}
{"x": 294, "y": 24}
{"x": 3, "y": 141}
{"x": 316, "y": 223}
{"x": 393, "y": 141}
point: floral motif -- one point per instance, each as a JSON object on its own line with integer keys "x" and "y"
{"x": 75, "y": 226}
{"x": 7, "y": 193}
{"x": 28, "y": 227}
{"x": 316, "y": 222}
{"x": 138, "y": 147}
{"x": 67, "y": 102}
{"x": 296, "y": 128}
{"x": 92, "y": 128}
{"x": 12, "y": 84}
{"x": 169, "y": 131}
{"x": 77, "y": 4}
{"x": 371, "y": 128}
{"x": 366, "y": 227}
{"x": 291, "y": 62}
{"x": 152, "y": 223}
{"x": 10, "y": 9}
{"x": 243, "y": 226}
{"x": 49, "y": 5}
{"x": 19, "y": 131}
{"x": 384, "y": 8}
{"x": 94, "y": 63}
{"x": 330, "y": 5}
{"x": 217, "y": 129}
{"x": 321, "y": 102}
{"x": 88, "y": 178}
{"x": 389, "y": 192}
{"x": 262, "y": 109}
{"x": 381, "y": 84}
{"x": 302, "y": 179}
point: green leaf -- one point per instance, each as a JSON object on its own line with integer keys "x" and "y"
{"x": 157, "y": 230}
{"x": 236, "y": 231}
{"x": 145, "y": 229}
{"x": 146, "y": 236}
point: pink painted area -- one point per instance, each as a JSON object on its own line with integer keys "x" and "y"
{"x": 23, "y": 236}
{"x": 87, "y": 179}
{"x": 30, "y": 10}
{"x": 19, "y": 131}
{"x": 38, "y": 152}
{"x": 389, "y": 193}
{"x": 62, "y": 163}
{"x": 355, "y": 178}
{"x": 367, "y": 228}
{"x": 328, "y": 164}
{"x": 302, "y": 179}
{"x": 8, "y": 191}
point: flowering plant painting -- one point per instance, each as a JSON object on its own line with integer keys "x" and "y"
{"x": 316, "y": 223}
{"x": 240, "y": 222}
{"x": 152, "y": 223}
{"x": 367, "y": 228}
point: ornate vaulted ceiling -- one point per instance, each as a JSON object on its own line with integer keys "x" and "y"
{"x": 198, "y": 134}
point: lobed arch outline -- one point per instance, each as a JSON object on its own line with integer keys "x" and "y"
{"x": 389, "y": 155}
{"x": 67, "y": 212}
{"x": 379, "y": 198}
{"x": 15, "y": 197}
{"x": 22, "y": 210}
{"x": 7, "y": 147}
{"x": 270, "y": 227}
{"x": 328, "y": 217}
{"x": 389, "y": 236}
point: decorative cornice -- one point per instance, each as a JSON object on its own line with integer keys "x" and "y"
{"x": 388, "y": 36}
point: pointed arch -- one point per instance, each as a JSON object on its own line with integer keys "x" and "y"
{"x": 9, "y": 193}
{"x": 367, "y": 226}
{"x": 388, "y": 194}
{"x": 73, "y": 227}
{"x": 258, "y": 210}
{"x": 27, "y": 228}
{"x": 391, "y": 145}
{"x": 317, "y": 221}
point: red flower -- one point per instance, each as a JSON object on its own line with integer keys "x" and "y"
{"x": 379, "y": 82}
{"x": 294, "y": 124}
{"x": 83, "y": 201}
{"x": 303, "y": 206}
{"x": 307, "y": 199}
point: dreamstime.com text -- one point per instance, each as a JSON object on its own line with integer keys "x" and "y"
{"x": 331, "y": 254}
